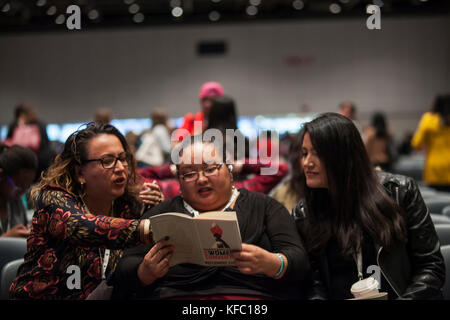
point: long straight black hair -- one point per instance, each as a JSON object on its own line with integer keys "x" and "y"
{"x": 355, "y": 202}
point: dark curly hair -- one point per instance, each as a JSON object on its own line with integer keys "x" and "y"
{"x": 62, "y": 173}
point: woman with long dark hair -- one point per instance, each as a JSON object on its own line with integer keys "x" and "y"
{"x": 354, "y": 219}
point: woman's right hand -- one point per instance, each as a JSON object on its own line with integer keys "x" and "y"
{"x": 18, "y": 231}
{"x": 156, "y": 263}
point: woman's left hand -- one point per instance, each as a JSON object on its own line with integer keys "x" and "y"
{"x": 151, "y": 194}
{"x": 253, "y": 259}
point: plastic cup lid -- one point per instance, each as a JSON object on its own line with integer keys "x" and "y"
{"x": 365, "y": 285}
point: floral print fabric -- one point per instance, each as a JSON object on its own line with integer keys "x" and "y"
{"x": 62, "y": 235}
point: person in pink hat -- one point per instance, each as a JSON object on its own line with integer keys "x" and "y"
{"x": 208, "y": 91}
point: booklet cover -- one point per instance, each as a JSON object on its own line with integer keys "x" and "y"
{"x": 207, "y": 239}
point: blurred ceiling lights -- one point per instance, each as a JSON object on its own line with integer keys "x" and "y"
{"x": 41, "y": 15}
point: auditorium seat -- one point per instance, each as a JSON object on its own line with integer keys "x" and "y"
{"x": 437, "y": 204}
{"x": 443, "y": 232}
{"x": 439, "y": 219}
{"x": 446, "y": 253}
{"x": 446, "y": 211}
{"x": 11, "y": 249}
{"x": 8, "y": 274}
{"x": 411, "y": 166}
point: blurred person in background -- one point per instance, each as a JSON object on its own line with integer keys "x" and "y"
{"x": 348, "y": 109}
{"x": 404, "y": 147}
{"x": 28, "y": 131}
{"x": 289, "y": 192}
{"x": 18, "y": 168}
{"x": 223, "y": 116}
{"x": 103, "y": 115}
{"x": 378, "y": 142}
{"x": 155, "y": 145}
{"x": 132, "y": 140}
{"x": 208, "y": 91}
{"x": 433, "y": 136}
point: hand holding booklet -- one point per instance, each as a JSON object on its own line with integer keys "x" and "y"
{"x": 207, "y": 239}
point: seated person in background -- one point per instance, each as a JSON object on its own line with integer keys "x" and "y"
{"x": 103, "y": 116}
{"x": 378, "y": 142}
{"x": 88, "y": 202}
{"x": 353, "y": 217}
{"x": 289, "y": 192}
{"x": 28, "y": 131}
{"x": 18, "y": 166}
{"x": 170, "y": 187}
{"x": 208, "y": 91}
{"x": 223, "y": 117}
{"x": 266, "y": 228}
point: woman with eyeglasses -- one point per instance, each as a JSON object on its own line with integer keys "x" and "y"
{"x": 18, "y": 166}
{"x": 272, "y": 262}
{"x": 88, "y": 206}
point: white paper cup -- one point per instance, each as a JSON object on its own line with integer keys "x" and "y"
{"x": 364, "y": 287}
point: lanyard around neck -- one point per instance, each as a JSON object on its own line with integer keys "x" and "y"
{"x": 233, "y": 197}
{"x": 105, "y": 258}
{"x": 359, "y": 264}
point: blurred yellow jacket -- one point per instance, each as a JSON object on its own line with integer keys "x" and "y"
{"x": 434, "y": 137}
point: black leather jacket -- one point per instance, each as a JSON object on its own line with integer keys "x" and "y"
{"x": 414, "y": 270}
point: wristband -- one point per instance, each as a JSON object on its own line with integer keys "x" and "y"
{"x": 281, "y": 267}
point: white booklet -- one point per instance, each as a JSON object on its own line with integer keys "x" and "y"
{"x": 207, "y": 239}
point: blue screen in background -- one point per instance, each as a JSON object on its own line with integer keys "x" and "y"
{"x": 249, "y": 126}
{"x": 3, "y": 132}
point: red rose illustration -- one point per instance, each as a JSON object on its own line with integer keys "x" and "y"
{"x": 216, "y": 230}
{"x": 35, "y": 241}
{"x": 47, "y": 260}
{"x": 88, "y": 217}
{"x": 41, "y": 285}
{"x": 58, "y": 225}
{"x": 117, "y": 225}
{"x": 102, "y": 225}
{"x": 40, "y": 221}
{"x": 94, "y": 270}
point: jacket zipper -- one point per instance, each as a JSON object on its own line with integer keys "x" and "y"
{"x": 381, "y": 269}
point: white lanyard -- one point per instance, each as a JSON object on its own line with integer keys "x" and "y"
{"x": 196, "y": 213}
{"x": 107, "y": 251}
{"x": 105, "y": 261}
{"x": 359, "y": 264}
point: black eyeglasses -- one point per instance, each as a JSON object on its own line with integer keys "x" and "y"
{"x": 109, "y": 161}
{"x": 207, "y": 172}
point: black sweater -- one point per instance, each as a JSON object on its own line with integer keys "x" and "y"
{"x": 262, "y": 221}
